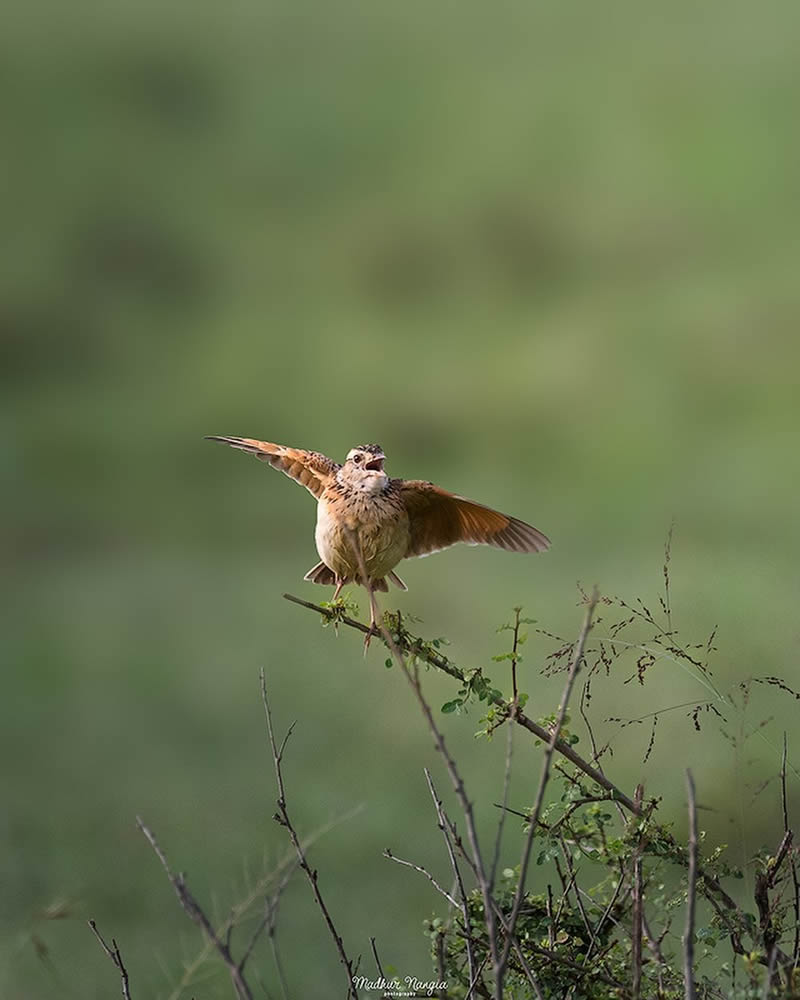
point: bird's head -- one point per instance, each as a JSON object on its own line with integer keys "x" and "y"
{"x": 363, "y": 468}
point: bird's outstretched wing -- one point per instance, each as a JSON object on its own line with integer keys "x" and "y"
{"x": 309, "y": 468}
{"x": 439, "y": 519}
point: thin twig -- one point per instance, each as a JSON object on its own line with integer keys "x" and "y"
{"x": 509, "y": 750}
{"x": 551, "y": 930}
{"x": 573, "y": 881}
{"x": 423, "y": 871}
{"x": 606, "y": 915}
{"x": 780, "y": 857}
{"x": 514, "y": 655}
{"x": 241, "y": 909}
{"x": 114, "y": 954}
{"x": 476, "y": 978}
{"x": 587, "y": 723}
{"x": 196, "y": 913}
{"x": 378, "y": 965}
{"x": 566, "y": 887}
{"x": 688, "y": 936}
{"x": 282, "y": 817}
{"x": 667, "y": 557}
{"x": 276, "y": 958}
{"x": 268, "y": 922}
{"x": 545, "y": 775}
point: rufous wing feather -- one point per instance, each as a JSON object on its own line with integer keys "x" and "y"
{"x": 439, "y": 519}
{"x": 309, "y": 468}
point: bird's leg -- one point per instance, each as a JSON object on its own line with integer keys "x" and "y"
{"x": 339, "y": 585}
{"x": 374, "y": 616}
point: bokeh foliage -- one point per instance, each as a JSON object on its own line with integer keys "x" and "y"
{"x": 547, "y": 255}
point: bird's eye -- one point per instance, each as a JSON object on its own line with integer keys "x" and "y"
{"x": 357, "y": 459}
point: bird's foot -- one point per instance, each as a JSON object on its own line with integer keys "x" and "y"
{"x": 374, "y": 629}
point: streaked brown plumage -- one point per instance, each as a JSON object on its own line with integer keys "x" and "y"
{"x": 359, "y": 506}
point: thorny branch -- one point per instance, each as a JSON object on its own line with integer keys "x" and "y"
{"x": 416, "y": 648}
{"x": 402, "y": 644}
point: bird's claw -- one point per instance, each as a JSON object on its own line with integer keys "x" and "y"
{"x": 372, "y": 630}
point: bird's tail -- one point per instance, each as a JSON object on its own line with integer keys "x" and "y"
{"x": 324, "y": 574}
{"x": 321, "y": 574}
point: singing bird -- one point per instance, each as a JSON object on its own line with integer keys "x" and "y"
{"x": 367, "y": 522}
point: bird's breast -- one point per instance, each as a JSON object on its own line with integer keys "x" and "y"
{"x": 379, "y": 523}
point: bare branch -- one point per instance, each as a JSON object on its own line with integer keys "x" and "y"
{"x": 282, "y": 817}
{"x": 241, "y": 909}
{"x": 423, "y": 871}
{"x": 114, "y": 954}
{"x": 196, "y": 913}
{"x": 378, "y": 965}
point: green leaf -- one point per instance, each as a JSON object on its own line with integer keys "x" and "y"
{"x": 451, "y": 706}
{"x": 388, "y": 663}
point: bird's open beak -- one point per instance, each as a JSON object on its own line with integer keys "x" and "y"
{"x": 375, "y": 464}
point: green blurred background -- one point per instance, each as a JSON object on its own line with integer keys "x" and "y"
{"x": 547, "y": 255}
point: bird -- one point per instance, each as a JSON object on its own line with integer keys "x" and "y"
{"x": 367, "y": 522}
